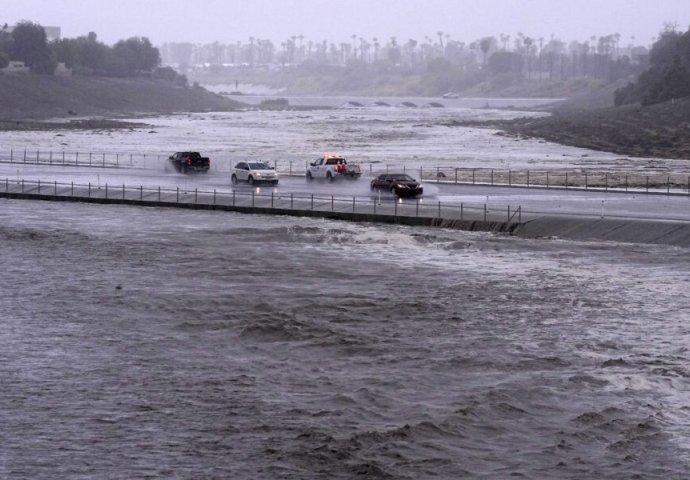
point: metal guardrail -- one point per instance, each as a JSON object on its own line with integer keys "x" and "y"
{"x": 274, "y": 201}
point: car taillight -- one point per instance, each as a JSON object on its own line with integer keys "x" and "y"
{"x": 189, "y": 161}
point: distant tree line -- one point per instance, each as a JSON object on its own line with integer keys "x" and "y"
{"x": 456, "y": 63}
{"x": 668, "y": 76}
{"x": 85, "y": 55}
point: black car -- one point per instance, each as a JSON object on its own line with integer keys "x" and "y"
{"x": 399, "y": 184}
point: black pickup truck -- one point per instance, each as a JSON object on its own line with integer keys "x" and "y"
{"x": 184, "y": 162}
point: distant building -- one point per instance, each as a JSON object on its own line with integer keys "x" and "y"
{"x": 15, "y": 67}
{"x": 62, "y": 71}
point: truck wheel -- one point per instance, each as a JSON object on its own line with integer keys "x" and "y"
{"x": 309, "y": 177}
{"x": 233, "y": 179}
{"x": 250, "y": 180}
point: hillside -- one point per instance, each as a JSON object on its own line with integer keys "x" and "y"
{"x": 661, "y": 130}
{"x": 35, "y": 97}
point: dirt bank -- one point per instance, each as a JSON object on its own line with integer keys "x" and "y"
{"x": 29, "y": 98}
{"x": 661, "y": 130}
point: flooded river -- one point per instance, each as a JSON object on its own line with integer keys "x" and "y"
{"x": 157, "y": 343}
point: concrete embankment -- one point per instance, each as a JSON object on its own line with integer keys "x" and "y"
{"x": 673, "y": 233}
{"x": 607, "y": 229}
{"x": 386, "y": 216}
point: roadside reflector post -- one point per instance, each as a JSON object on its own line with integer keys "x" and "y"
{"x": 312, "y": 201}
{"x": 252, "y": 198}
{"x": 106, "y": 191}
{"x": 417, "y": 211}
{"x": 485, "y": 212}
{"x": 439, "y": 209}
{"x": 141, "y": 192}
{"x": 123, "y": 191}
{"x": 353, "y": 204}
{"x": 159, "y": 194}
{"x": 178, "y": 195}
{"x": 271, "y": 199}
{"x": 332, "y": 204}
{"x": 492, "y": 176}
{"x": 214, "y": 196}
{"x": 291, "y": 199}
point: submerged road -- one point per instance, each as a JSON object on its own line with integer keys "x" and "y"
{"x": 535, "y": 202}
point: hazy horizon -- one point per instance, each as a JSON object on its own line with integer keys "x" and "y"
{"x": 207, "y": 21}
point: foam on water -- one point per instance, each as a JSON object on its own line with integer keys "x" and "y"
{"x": 155, "y": 342}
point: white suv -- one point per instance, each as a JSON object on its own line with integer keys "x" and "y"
{"x": 254, "y": 172}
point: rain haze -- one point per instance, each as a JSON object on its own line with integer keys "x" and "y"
{"x": 207, "y": 21}
{"x": 334, "y": 240}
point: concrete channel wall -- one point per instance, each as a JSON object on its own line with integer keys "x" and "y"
{"x": 473, "y": 217}
{"x": 461, "y": 217}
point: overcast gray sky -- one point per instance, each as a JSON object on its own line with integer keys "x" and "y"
{"x": 227, "y": 21}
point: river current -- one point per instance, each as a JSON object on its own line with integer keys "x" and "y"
{"x": 157, "y": 343}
